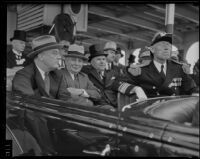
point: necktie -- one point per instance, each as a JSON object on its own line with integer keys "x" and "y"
{"x": 108, "y": 67}
{"x": 76, "y": 81}
{"x": 47, "y": 82}
{"x": 101, "y": 75}
{"x": 162, "y": 72}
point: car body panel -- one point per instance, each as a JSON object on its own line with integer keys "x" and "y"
{"x": 59, "y": 128}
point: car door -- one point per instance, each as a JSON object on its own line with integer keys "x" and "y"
{"x": 140, "y": 133}
{"x": 69, "y": 129}
{"x": 23, "y": 143}
{"x": 180, "y": 140}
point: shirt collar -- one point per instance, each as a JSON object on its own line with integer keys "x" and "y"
{"x": 17, "y": 53}
{"x": 72, "y": 75}
{"x": 158, "y": 66}
{"x": 108, "y": 66}
{"x": 41, "y": 72}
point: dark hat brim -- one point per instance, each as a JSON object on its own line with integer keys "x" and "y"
{"x": 77, "y": 56}
{"x": 110, "y": 49}
{"x": 34, "y": 53}
{"x": 95, "y": 55}
{"x": 13, "y": 38}
{"x": 164, "y": 38}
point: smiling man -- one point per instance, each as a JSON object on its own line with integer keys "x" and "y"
{"x": 108, "y": 81}
{"x": 79, "y": 88}
{"x": 162, "y": 76}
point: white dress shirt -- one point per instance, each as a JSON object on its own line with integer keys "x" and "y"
{"x": 158, "y": 66}
{"x": 17, "y": 53}
{"x": 108, "y": 66}
{"x": 41, "y": 72}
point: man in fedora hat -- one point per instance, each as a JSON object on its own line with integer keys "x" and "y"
{"x": 110, "y": 49}
{"x": 107, "y": 81}
{"x": 79, "y": 88}
{"x": 162, "y": 76}
{"x": 40, "y": 77}
{"x": 116, "y": 64}
{"x": 118, "y": 56}
{"x": 15, "y": 56}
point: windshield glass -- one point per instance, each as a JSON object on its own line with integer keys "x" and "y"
{"x": 178, "y": 110}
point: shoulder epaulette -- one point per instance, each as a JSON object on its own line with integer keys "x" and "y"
{"x": 177, "y": 62}
{"x": 185, "y": 66}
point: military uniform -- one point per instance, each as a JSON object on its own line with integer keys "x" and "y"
{"x": 109, "y": 84}
{"x": 177, "y": 82}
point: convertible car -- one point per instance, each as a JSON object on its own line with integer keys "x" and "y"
{"x": 160, "y": 126}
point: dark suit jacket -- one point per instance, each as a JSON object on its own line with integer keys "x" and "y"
{"x": 120, "y": 69}
{"x": 29, "y": 81}
{"x": 108, "y": 86}
{"x": 176, "y": 82}
{"x": 11, "y": 60}
{"x": 84, "y": 83}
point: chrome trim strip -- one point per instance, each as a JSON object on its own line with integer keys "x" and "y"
{"x": 15, "y": 139}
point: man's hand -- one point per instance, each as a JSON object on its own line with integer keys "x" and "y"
{"x": 140, "y": 93}
{"x": 75, "y": 91}
{"x": 78, "y": 92}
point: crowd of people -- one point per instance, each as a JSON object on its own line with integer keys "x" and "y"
{"x": 66, "y": 71}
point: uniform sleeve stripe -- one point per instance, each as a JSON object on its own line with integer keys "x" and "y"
{"x": 123, "y": 87}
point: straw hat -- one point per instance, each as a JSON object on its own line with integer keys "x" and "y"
{"x": 43, "y": 43}
{"x": 111, "y": 45}
{"x": 75, "y": 50}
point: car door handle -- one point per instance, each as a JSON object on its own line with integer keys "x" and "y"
{"x": 105, "y": 151}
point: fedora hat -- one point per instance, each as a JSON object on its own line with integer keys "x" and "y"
{"x": 110, "y": 45}
{"x": 19, "y": 35}
{"x": 96, "y": 50}
{"x": 43, "y": 43}
{"x": 75, "y": 50}
{"x": 119, "y": 51}
{"x": 161, "y": 36}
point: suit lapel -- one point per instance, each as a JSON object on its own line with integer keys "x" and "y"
{"x": 110, "y": 75}
{"x": 153, "y": 74}
{"x": 169, "y": 74}
{"x": 96, "y": 75}
{"x": 40, "y": 81}
{"x": 68, "y": 78}
{"x": 54, "y": 82}
{"x": 82, "y": 80}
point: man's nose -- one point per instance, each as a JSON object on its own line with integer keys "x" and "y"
{"x": 59, "y": 57}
